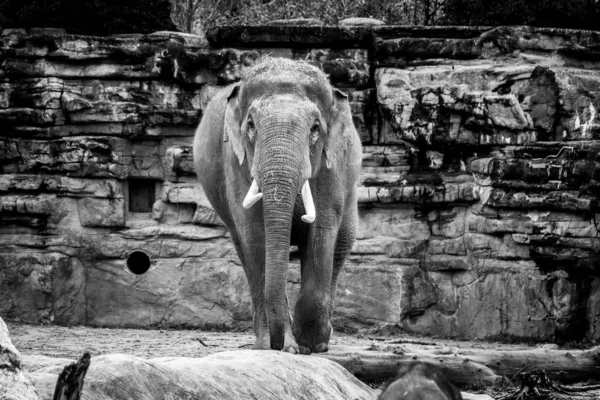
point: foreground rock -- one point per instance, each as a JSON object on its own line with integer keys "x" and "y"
{"x": 44, "y": 371}
{"x": 240, "y": 374}
{"x": 14, "y": 385}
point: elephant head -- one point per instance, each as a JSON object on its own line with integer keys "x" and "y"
{"x": 285, "y": 123}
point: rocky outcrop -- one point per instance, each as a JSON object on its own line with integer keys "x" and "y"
{"x": 478, "y": 197}
{"x": 227, "y": 375}
{"x": 14, "y": 384}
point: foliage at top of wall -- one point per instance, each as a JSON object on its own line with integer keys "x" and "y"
{"x": 105, "y": 17}
{"x": 198, "y": 16}
{"x": 97, "y": 17}
{"x": 577, "y": 14}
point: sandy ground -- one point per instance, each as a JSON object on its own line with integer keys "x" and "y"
{"x": 71, "y": 342}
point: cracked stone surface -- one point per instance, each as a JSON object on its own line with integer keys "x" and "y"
{"x": 478, "y": 200}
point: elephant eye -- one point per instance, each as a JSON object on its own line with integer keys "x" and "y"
{"x": 251, "y": 128}
{"x": 314, "y": 133}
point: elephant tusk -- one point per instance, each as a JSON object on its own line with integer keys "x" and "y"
{"x": 253, "y": 195}
{"x": 309, "y": 205}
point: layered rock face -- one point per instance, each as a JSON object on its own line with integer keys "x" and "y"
{"x": 478, "y": 197}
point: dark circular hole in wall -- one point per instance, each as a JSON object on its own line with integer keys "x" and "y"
{"x": 138, "y": 262}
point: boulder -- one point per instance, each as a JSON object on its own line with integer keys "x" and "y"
{"x": 243, "y": 374}
{"x": 14, "y": 384}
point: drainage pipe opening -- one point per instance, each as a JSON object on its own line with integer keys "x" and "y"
{"x": 138, "y": 262}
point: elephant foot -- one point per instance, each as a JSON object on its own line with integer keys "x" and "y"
{"x": 321, "y": 348}
{"x": 314, "y": 340}
{"x": 289, "y": 344}
{"x": 291, "y": 349}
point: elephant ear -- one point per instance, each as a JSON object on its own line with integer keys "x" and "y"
{"x": 341, "y": 130}
{"x": 233, "y": 121}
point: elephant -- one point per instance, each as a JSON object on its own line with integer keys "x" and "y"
{"x": 418, "y": 380}
{"x": 278, "y": 157}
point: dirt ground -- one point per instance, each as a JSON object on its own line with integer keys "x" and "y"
{"x": 71, "y": 342}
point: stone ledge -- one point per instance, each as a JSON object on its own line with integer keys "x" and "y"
{"x": 448, "y": 192}
{"x": 480, "y": 42}
{"x": 290, "y": 36}
{"x": 503, "y": 38}
{"x": 553, "y": 200}
{"x": 331, "y": 35}
{"x": 387, "y": 40}
{"x": 385, "y": 32}
{"x": 62, "y": 185}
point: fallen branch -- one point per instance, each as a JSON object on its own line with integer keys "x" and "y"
{"x": 508, "y": 382}
{"x": 536, "y": 385}
{"x": 562, "y": 365}
{"x": 202, "y": 342}
{"x": 400, "y": 341}
{"x": 582, "y": 388}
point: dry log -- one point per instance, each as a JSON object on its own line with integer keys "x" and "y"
{"x": 369, "y": 365}
{"x": 562, "y": 365}
{"x": 69, "y": 384}
{"x": 473, "y": 367}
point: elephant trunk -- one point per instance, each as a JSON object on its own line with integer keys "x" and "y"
{"x": 280, "y": 176}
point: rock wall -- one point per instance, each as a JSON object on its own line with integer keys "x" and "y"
{"x": 478, "y": 198}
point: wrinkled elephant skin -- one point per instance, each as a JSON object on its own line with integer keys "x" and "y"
{"x": 278, "y": 157}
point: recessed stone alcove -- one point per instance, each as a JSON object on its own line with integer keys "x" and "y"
{"x": 141, "y": 195}
{"x": 478, "y": 198}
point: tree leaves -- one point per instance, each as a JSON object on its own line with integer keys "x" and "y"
{"x": 97, "y": 17}
{"x": 578, "y": 14}
{"x": 208, "y": 13}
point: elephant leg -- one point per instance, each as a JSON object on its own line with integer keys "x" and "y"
{"x": 252, "y": 255}
{"x": 343, "y": 246}
{"x": 312, "y": 327}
